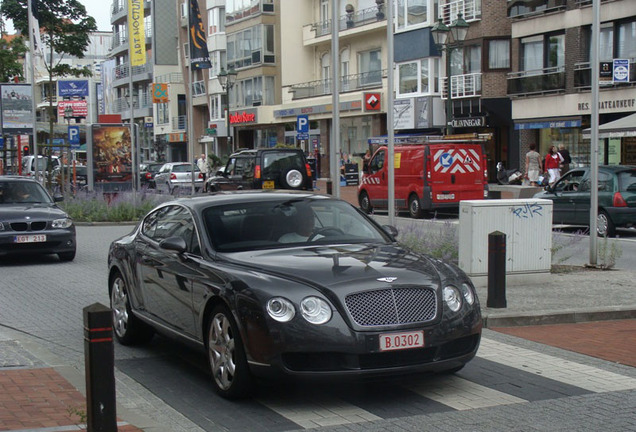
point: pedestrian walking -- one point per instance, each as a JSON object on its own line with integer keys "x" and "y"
{"x": 202, "y": 163}
{"x": 553, "y": 161}
{"x": 533, "y": 165}
{"x": 567, "y": 160}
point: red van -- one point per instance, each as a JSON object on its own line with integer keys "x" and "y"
{"x": 430, "y": 173}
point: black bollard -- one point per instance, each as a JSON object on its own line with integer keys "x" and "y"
{"x": 329, "y": 187}
{"x": 99, "y": 363}
{"x": 496, "y": 270}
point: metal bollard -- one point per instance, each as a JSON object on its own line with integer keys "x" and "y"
{"x": 329, "y": 187}
{"x": 99, "y": 363}
{"x": 496, "y": 270}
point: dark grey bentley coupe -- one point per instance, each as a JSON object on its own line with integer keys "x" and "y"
{"x": 289, "y": 283}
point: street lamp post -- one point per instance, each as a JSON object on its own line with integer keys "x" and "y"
{"x": 458, "y": 30}
{"x": 227, "y": 80}
{"x": 68, "y": 115}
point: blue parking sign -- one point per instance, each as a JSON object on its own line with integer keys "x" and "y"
{"x": 74, "y": 135}
{"x": 302, "y": 124}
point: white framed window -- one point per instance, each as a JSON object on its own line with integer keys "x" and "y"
{"x": 415, "y": 13}
{"x": 216, "y": 21}
{"x": 370, "y": 66}
{"x": 417, "y": 77}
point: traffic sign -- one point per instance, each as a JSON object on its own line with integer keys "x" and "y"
{"x": 74, "y": 135}
{"x": 302, "y": 124}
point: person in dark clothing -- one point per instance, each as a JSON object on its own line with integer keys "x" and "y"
{"x": 565, "y": 154}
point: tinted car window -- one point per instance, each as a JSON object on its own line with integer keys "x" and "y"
{"x": 23, "y": 192}
{"x": 605, "y": 181}
{"x": 627, "y": 181}
{"x": 248, "y": 226}
{"x": 570, "y": 182}
{"x": 184, "y": 168}
{"x": 274, "y": 162}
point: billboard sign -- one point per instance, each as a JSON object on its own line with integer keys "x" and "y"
{"x": 72, "y": 88}
{"x": 112, "y": 163}
{"x": 17, "y": 110}
{"x": 79, "y": 107}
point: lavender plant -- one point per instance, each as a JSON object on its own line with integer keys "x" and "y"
{"x": 438, "y": 240}
{"x": 120, "y": 207}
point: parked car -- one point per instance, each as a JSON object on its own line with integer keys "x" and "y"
{"x": 571, "y": 197}
{"x": 177, "y": 176}
{"x": 31, "y": 222}
{"x": 430, "y": 173}
{"x": 288, "y": 283}
{"x": 266, "y": 168}
{"x": 147, "y": 172}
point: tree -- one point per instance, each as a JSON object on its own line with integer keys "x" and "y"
{"x": 65, "y": 28}
{"x": 12, "y": 51}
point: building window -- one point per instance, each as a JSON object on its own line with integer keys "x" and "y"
{"x": 626, "y": 44}
{"x": 498, "y": 54}
{"x": 543, "y": 51}
{"x": 370, "y": 66}
{"x": 415, "y": 13}
{"x": 556, "y": 51}
{"x": 251, "y": 46}
{"x": 163, "y": 113}
{"x": 216, "y": 21}
{"x": 415, "y": 77}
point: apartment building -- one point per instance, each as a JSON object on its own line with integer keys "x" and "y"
{"x": 162, "y": 125}
{"x": 551, "y": 79}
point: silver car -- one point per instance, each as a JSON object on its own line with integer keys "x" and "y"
{"x": 175, "y": 177}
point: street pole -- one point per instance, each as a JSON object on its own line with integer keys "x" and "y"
{"x": 449, "y": 97}
{"x": 390, "y": 113}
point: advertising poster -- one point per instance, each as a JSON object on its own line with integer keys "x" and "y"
{"x": 112, "y": 165}
{"x": 17, "y": 111}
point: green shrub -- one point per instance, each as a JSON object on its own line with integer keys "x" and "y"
{"x": 120, "y": 207}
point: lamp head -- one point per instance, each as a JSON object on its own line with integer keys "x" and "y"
{"x": 440, "y": 33}
{"x": 459, "y": 28}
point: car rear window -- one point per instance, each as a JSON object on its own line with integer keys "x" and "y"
{"x": 184, "y": 168}
{"x": 627, "y": 181}
{"x": 281, "y": 161}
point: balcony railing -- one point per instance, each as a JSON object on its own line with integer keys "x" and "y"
{"x": 120, "y": 38}
{"x": 470, "y": 10}
{"x": 173, "y": 77}
{"x": 180, "y": 123}
{"x": 463, "y": 86}
{"x": 122, "y": 104}
{"x": 548, "y": 80}
{"x": 121, "y": 71}
{"x": 523, "y": 8}
{"x": 348, "y": 83}
{"x": 583, "y": 76}
{"x": 354, "y": 19}
{"x": 198, "y": 88}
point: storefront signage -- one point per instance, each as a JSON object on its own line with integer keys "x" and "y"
{"x": 609, "y": 104}
{"x": 621, "y": 71}
{"x": 372, "y": 101}
{"x": 176, "y": 137}
{"x": 548, "y": 124}
{"x": 72, "y": 88}
{"x": 243, "y": 117}
{"x": 318, "y": 109}
{"x": 468, "y": 122}
{"x": 79, "y": 107}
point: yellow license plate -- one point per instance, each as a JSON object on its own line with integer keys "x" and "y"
{"x": 268, "y": 184}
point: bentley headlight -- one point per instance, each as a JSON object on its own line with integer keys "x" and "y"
{"x": 468, "y": 292}
{"x": 280, "y": 309}
{"x": 452, "y": 298}
{"x": 315, "y": 310}
{"x": 62, "y": 223}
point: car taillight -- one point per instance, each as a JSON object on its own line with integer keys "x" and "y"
{"x": 308, "y": 168}
{"x": 618, "y": 200}
{"x": 257, "y": 172}
{"x": 148, "y": 176}
{"x": 200, "y": 175}
{"x": 173, "y": 176}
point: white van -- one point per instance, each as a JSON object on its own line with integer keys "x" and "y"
{"x": 28, "y": 165}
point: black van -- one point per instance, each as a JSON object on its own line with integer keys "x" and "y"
{"x": 265, "y": 168}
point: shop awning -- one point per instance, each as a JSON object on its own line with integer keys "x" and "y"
{"x": 624, "y": 127}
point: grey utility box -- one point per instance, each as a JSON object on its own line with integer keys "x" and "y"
{"x": 527, "y": 224}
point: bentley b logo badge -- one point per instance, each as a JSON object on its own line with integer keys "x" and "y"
{"x": 387, "y": 279}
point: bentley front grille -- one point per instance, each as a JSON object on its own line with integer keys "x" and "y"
{"x": 392, "y": 306}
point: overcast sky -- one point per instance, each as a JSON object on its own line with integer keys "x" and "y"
{"x": 100, "y": 10}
